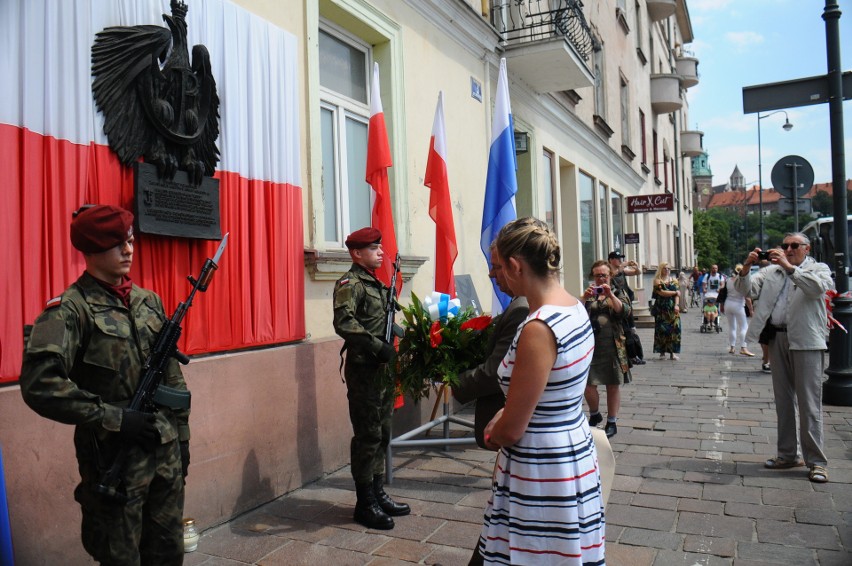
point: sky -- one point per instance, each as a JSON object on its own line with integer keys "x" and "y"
{"x": 750, "y": 42}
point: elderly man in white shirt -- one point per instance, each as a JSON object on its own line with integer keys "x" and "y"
{"x": 791, "y": 293}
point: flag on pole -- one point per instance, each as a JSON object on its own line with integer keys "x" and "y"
{"x": 440, "y": 206}
{"x": 378, "y": 161}
{"x": 501, "y": 184}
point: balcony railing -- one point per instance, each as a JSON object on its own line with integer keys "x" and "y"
{"x": 533, "y": 20}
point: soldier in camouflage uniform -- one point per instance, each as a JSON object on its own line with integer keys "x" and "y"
{"x": 82, "y": 366}
{"x": 359, "y": 318}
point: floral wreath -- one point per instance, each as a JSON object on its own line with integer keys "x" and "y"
{"x": 440, "y": 341}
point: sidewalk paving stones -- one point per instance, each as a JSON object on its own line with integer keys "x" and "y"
{"x": 690, "y": 487}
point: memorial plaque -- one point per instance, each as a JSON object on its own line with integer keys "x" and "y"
{"x": 466, "y": 293}
{"x": 631, "y": 238}
{"x": 176, "y": 207}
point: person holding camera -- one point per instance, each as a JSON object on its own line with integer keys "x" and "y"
{"x": 791, "y": 293}
{"x": 609, "y": 309}
{"x": 359, "y": 318}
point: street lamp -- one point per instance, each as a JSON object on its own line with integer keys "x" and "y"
{"x": 787, "y": 127}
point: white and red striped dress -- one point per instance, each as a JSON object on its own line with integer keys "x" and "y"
{"x": 546, "y": 505}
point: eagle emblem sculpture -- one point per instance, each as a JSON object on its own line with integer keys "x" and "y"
{"x": 157, "y": 104}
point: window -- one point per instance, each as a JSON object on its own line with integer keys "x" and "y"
{"x": 548, "y": 188}
{"x": 644, "y": 138}
{"x": 344, "y": 114}
{"x": 625, "y": 112}
{"x": 603, "y": 210}
{"x": 637, "y": 25}
{"x": 616, "y": 207}
{"x": 656, "y": 158}
{"x": 665, "y": 170}
{"x": 588, "y": 226}
{"x": 600, "y": 83}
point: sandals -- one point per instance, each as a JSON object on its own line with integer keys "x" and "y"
{"x": 818, "y": 474}
{"x": 745, "y": 352}
{"x": 781, "y": 463}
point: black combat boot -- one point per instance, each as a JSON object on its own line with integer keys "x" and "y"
{"x": 387, "y": 504}
{"x": 367, "y": 510}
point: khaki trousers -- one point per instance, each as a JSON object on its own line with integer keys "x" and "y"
{"x": 797, "y": 377}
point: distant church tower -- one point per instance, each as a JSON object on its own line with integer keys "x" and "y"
{"x": 702, "y": 177}
{"x": 737, "y": 181}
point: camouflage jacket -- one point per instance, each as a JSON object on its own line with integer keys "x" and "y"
{"x": 359, "y": 313}
{"x": 85, "y": 355}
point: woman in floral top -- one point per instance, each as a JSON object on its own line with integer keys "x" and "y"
{"x": 667, "y": 318}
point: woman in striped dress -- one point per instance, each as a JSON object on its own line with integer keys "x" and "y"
{"x": 546, "y": 505}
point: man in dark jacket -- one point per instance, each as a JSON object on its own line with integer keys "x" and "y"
{"x": 481, "y": 383}
{"x": 359, "y": 318}
{"x": 82, "y": 366}
{"x": 620, "y": 271}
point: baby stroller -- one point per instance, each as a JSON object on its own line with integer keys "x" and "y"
{"x": 706, "y": 324}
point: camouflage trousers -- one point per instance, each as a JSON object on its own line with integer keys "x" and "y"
{"x": 370, "y": 411}
{"x": 148, "y": 529}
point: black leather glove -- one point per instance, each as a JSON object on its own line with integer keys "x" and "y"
{"x": 386, "y": 354}
{"x": 140, "y": 427}
{"x": 184, "y": 458}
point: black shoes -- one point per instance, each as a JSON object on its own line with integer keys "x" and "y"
{"x": 367, "y": 510}
{"x": 595, "y": 419}
{"x": 388, "y": 505}
{"x": 637, "y": 361}
{"x": 610, "y": 429}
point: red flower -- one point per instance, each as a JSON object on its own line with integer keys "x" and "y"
{"x": 478, "y": 323}
{"x": 435, "y": 334}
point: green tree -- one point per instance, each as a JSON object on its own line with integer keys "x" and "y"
{"x": 712, "y": 237}
{"x": 823, "y": 203}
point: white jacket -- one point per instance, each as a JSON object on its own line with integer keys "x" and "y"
{"x": 807, "y": 321}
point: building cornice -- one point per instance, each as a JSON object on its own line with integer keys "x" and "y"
{"x": 472, "y": 31}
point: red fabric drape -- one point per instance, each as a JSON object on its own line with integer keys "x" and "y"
{"x": 257, "y": 295}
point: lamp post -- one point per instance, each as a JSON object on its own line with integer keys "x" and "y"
{"x": 787, "y": 127}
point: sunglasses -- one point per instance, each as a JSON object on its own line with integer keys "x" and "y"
{"x": 792, "y": 246}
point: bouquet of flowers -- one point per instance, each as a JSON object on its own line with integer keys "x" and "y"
{"x": 439, "y": 342}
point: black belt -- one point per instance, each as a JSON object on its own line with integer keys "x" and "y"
{"x": 779, "y": 328}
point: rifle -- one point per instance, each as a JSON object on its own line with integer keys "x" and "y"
{"x": 390, "y": 307}
{"x": 150, "y": 391}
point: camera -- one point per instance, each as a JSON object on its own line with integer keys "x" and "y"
{"x": 763, "y": 255}
{"x": 598, "y": 290}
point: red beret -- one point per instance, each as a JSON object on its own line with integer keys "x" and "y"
{"x": 101, "y": 227}
{"x": 363, "y": 238}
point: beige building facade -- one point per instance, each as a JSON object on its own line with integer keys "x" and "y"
{"x": 598, "y": 95}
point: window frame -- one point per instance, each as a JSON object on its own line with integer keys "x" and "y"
{"x": 344, "y": 108}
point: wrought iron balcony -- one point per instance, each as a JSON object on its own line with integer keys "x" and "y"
{"x": 547, "y": 42}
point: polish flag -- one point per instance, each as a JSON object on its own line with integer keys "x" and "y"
{"x": 378, "y": 161}
{"x": 440, "y": 206}
{"x": 54, "y": 157}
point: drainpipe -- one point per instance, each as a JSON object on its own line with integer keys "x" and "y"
{"x": 677, "y": 161}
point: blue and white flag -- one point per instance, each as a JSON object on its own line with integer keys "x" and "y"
{"x": 502, "y": 182}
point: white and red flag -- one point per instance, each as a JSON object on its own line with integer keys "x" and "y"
{"x": 440, "y": 205}
{"x": 378, "y": 162}
{"x": 54, "y": 157}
